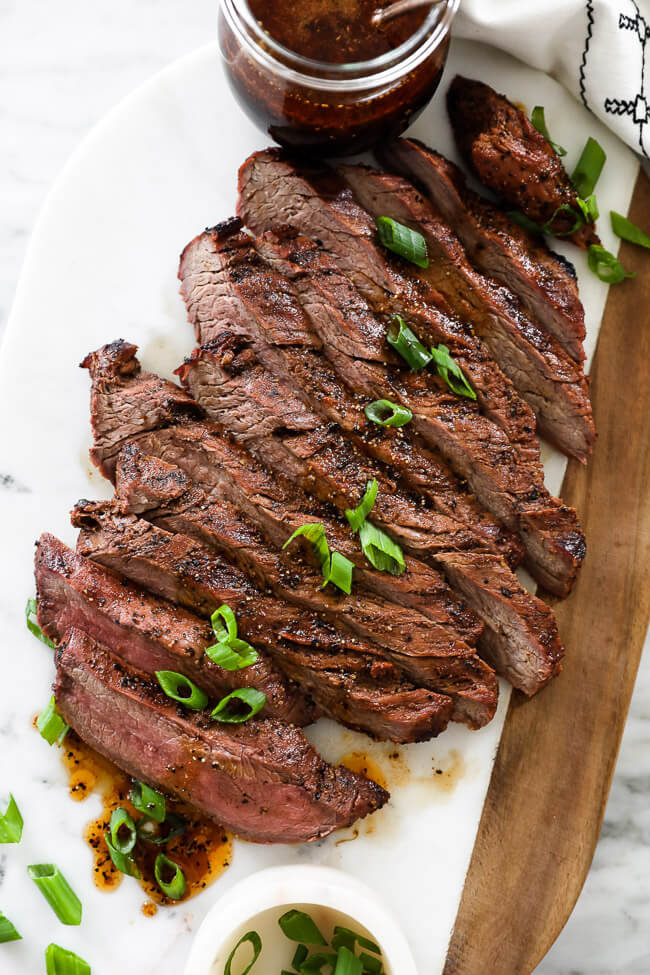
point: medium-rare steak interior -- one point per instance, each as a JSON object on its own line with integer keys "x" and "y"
{"x": 262, "y": 779}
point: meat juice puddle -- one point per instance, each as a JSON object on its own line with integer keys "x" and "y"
{"x": 203, "y": 850}
{"x": 277, "y": 950}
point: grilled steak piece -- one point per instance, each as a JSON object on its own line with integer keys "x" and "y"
{"x": 287, "y": 346}
{"x": 553, "y": 384}
{"x": 318, "y": 204}
{"x": 220, "y": 526}
{"x": 262, "y": 779}
{"x": 514, "y": 491}
{"x": 150, "y": 401}
{"x": 512, "y": 158}
{"x": 544, "y": 282}
{"x": 223, "y": 468}
{"x": 326, "y": 465}
{"x": 147, "y": 632}
{"x": 305, "y": 647}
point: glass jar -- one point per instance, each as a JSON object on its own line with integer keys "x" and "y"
{"x": 331, "y": 109}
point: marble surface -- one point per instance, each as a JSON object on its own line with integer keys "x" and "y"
{"x": 60, "y": 70}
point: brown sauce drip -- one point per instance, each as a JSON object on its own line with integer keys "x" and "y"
{"x": 335, "y": 31}
{"x": 203, "y": 851}
{"x": 364, "y": 765}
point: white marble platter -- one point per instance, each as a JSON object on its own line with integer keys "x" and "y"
{"x": 102, "y": 265}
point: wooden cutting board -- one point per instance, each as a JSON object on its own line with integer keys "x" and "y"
{"x": 547, "y": 796}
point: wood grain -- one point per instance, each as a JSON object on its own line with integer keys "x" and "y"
{"x": 549, "y": 787}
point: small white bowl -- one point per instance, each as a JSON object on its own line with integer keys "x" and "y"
{"x": 289, "y": 887}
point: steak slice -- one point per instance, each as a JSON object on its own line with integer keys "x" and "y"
{"x": 326, "y": 465}
{"x": 223, "y": 468}
{"x": 220, "y": 527}
{"x": 262, "y": 779}
{"x": 544, "y": 282}
{"x": 213, "y": 265}
{"x": 307, "y": 648}
{"x": 147, "y": 632}
{"x": 512, "y": 490}
{"x": 317, "y": 203}
{"x": 125, "y": 401}
{"x": 512, "y": 158}
{"x": 546, "y": 377}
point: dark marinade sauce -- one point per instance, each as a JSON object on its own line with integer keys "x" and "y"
{"x": 305, "y": 116}
{"x": 334, "y": 31}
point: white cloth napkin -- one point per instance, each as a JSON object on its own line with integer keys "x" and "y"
{"x": 598, "y": 49}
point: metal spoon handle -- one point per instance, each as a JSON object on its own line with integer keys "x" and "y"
{"x": 400, "y": 7}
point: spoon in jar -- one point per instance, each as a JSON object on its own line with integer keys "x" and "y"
{"x": 383, "y": 14}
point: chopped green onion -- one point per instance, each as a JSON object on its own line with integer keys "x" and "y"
{"x": 301, "y": 953}
{"x": 228, "y": 655}
{"x": 538, "y": 120}
{"x": 588, "y": 169}
{"x": 298, "y": 926}
{"x": 339, "y": 573}
{"x": 589, "y": 208}
{"x": 357, "y": 516}
{"x": 409, "y": 347}
{"x": 181, "y": 688}
{"x": 51, "y": 725}
{"x": 380, "y": 550}
{"x": 314, "y": 964}
{"x": 11, "y": 823}
{"x": 59, "y": 961}
{"x": 578, "y": 221}
{"x": 57, "y": 892}
{"x": 627, "y": 230}
{"x": 148, "y": 829}
{"x": 337, "y": 570}
{"x": 347, "y": 937}
{"x": 31, "y": 609}
{"x": 451, "y": 372}
{"x": 388, "y": 414}
{"x": 174, "y": 888}
{"x": 229, "y": 652}
{"x": 227, "y": 632}
{"x": 347, "y": 963}
{"x": 372, "y": 966}
{"x": 606, "y": 266}
{"x": 253, "y": 699}
{"x": 7, "y": 930}
{"x": 403, "y": 241}
{"x": 251, "y": 937}
{"x": 123, "y": 834}
{"x": 146, "y": 800}
{"x": 124, "y": 862}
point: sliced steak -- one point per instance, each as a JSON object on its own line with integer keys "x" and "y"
{"x": 149, "y": 401}
{"x": 514, "y": 491}
{"x": 317, "y": 203}
{"x": 325, "y": 464}
{"x": 544, "y": 282}
{"x": 262, "y": 779}
{"x": 147, "y": 632}
{"x": 225, "y": 469}
{"x": 232, "y": 266}
{"x": 220, "y": 526}
{"x": 543, "y": 373}
{"x": 512, "y": 158}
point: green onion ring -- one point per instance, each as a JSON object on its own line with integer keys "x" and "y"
{"x": 51, "y": 725}
{"x": 539, "y": 121}
{"x": 252, "y": 698}
{"x": 149, "y": 802}
{"x": 253, "y": 938}
{"x": 123, "y": 862}
{"x": 224, "y": 633}
{"x": 7, "y": 930}
{"x": 606, "y": 266}
{"x": 339, "y": 573}
{"x": 120, "y": 822}
{"x": 298, "y": 926}
{"x": 380, "y": 550}
{"x": 629, "y": 231}
{"x": 180, "y": 688}
{"x": 588, "y": 168}
{"x": 174, "y": 888}
{"x": 385, "y": 413}
{"x": 402, "y": 339}
{"x": 60, "y": 961}
{"x": 358, "y": 515}
{"x": 31, "y": 609}
{"x": 11, "y": 823}
{"x": 451, "y": 372}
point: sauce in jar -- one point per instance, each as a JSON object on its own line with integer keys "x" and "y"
{"x": 320, "y": 77}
